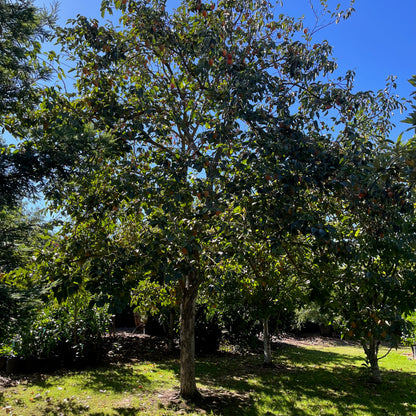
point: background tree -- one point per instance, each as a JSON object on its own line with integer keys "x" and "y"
{"x": 24, "y": 27}
{"x": 253, "y": 274}
{"x": 409, "y": 148}
{"x": 373, "y": 284}
{"x": 23, "y": 235}
{"x": 411, "y": 119}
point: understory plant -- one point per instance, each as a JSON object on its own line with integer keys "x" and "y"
{"x": 409, "y": 334}
{"x": 62, "y": 330}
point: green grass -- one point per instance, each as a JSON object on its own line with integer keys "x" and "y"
{"x": 308, "y": 381}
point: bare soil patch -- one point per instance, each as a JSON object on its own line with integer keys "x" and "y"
{"x": 312, "y": 340}
{"x": 126, "y": 346}
{"x": 211, "y": 400}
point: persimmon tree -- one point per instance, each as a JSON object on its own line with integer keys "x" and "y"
{"x": 411, "y": 119}
{"x": 179, "y": 116}
{"x": 372, "y": 245}
{"x": 261, "y": 267}
{"x": 408, "y": 149}
{"x": 267, "y": 283}
{"x": 370, "y": 254}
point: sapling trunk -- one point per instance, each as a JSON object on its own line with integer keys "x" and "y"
{"x": 171, "y": 329}
{"x": 371, "y": 351}
{"x": 267, "y": 343}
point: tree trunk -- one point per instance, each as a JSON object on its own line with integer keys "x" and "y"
{"x": 188, "y": 389}
{"x": 266, "y": 343}
{"x": 171, "y": 329}
{"x": 371, "y": 351}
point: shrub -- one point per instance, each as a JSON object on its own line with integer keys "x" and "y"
{"x": 61, "y": 330}
{"x": 312, "y": 315}
{"x": 17, "y": 307}
{"x": 409, "y": 333}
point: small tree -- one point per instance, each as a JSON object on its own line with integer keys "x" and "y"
{"x": 265, "y": 280}
{"x": 23, "y": 235}
{"x": 409, "y": 334}
{"x": 373, "y": 284}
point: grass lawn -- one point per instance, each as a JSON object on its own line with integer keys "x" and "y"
{"x": 308, "y": 380}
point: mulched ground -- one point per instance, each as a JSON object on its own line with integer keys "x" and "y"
{"x": 125, "y": 346}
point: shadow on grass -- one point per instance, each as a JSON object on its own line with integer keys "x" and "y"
{"x": 309, "y": 382}
{"x": 114, "y": 378}
{"x": 305, "y": 382}
{"x": 129, "y": 411}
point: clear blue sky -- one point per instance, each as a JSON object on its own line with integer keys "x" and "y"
{"x": 378, "y": 40}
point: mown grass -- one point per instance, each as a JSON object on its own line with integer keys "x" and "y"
{"x": 308, "y": 380}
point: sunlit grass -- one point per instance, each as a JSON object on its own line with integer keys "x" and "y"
{"x": 312, "y": 380}
{"x": 102, "y": 391}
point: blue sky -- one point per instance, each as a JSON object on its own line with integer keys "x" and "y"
{"x": 378, "y": 40}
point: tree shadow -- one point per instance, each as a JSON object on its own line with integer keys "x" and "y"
{"x": 324, "y": 379}
{"x": 115, "y": 378}
{"x": 121, "y": 411}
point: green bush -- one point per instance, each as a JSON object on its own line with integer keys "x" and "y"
{"x": 61, "y": 330}
{"x": 313, "y": 314}
{"x": 16, "y": 310}
{"x": 409, "y": 332}
{"x": 239, "y": 328}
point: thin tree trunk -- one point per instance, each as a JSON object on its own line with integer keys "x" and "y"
{"x": 171, "y": 329}
{"x": 188, "y": 389}
{"x": 266, "y": 343}
{"x": 371, "y": 352}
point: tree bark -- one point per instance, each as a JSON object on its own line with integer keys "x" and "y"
{"x": 371, "y": 351}
{"x": 188, "y": 389}
{"x": 266, "y": 343}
